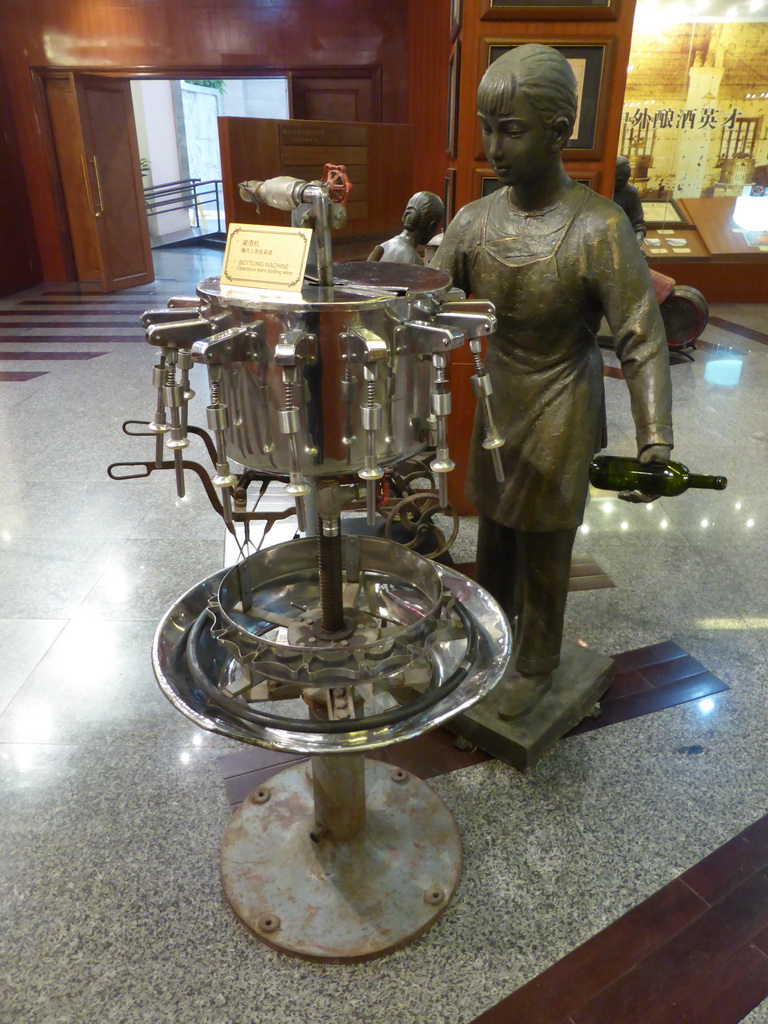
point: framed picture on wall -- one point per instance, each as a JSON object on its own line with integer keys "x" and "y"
{"x": 664, "y": 213}
{"x": 453, "y": 99}
{"x": 591, "y": 179}
{"x": 487, "y": 182}
{"x": 589, "y": 62}
{"x": 533, "y": 10}
{"x": 456, "y": 6}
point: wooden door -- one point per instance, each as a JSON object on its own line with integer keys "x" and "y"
{"x": 336, "y": 97}
{"x": 19, "y": 264}
{"x": 94, "y": 136}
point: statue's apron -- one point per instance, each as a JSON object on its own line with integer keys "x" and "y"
{"x": 544, "y": 362}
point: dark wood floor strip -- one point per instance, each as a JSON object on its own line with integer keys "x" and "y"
{"x": 87, "y": 295}
{"x": 20, "y": 375}
{"x": 673, "y": 974}
{"x": 83, "y": 301}
{"x": 120, "y": 323}
{"x": 251, "y": 758}
{"x": 45, "y": 315}
{"x": 598, "y": 582}
{"x": 725, "y": 996}
{"x": 709, "y": 346}
{"x": 585, "y": 567}
{"x": 239, "y": 786}
{"x": 53, "y": 356}
{"x": 585, "y": 972}
{"x": 733, "y": 862}
{"x": 743, "y": 332}
{"x": 761, "y": 941}
{"x": 653, "y": 654}
{"x": 112, "y": 338}
{"x": 432, "y": 754}
{"x": 651, "y": 679}
{"x": 676, "y": 957}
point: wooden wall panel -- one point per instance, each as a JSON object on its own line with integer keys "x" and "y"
{"x": 19, "y": 265}
{"x": 259, "y": 148}
{"x": 429, "y": 50}
{"x": 720, "y": 281}
{"x": 616, "y": 33}
{"x": 205, "y": 35}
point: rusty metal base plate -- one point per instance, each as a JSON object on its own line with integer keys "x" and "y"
{"x": 341, "y": 902}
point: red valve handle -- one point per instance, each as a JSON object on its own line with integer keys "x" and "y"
{"x": 339, "y": 185}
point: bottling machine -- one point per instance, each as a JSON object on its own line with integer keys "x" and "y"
{"x": 332, "y": 644}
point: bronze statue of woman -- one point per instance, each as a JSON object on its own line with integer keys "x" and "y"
{"x": 554, "y": 257}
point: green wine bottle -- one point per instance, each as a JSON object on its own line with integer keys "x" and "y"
{"x": 663, "y": 479}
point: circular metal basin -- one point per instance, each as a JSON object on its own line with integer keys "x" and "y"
{"x": 453, "y": 664}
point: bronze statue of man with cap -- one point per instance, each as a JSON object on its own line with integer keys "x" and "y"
{"x": 554, "y": 257}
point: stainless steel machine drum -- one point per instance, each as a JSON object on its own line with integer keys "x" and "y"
{"x": 334, "y": 376}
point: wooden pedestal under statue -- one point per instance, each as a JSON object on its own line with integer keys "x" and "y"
{"x": 578, "y": 683}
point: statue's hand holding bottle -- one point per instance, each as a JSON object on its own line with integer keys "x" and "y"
{"x": 653, "y": 453}
{"x": 652, "y": 475}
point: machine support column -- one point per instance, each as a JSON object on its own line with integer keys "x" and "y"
{"x": 338, "y": 787}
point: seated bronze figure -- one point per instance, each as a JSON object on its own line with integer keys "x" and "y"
{"x": 423, "y": 216}
{"x": 628, "y": 198}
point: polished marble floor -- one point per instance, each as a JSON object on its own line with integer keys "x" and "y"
{"x": 113, "y": 804}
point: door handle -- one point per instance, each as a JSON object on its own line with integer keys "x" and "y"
{"x": 100, "y": 210}
{"x": 87, "y": 183}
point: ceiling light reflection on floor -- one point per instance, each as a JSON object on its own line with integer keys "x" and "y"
{"x": 117, "y": 582}
{"x": 726, "y": 372}
{"x": 25, "y": 757}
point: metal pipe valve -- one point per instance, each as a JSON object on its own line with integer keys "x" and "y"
{"x": 483, "y": 389}
{"x": 218, "y": 421}
{"x": 173, "y": 399}
{"x": 370, "y": 417}
{"x": 441, "y": 407}
{"x": 295, "y": 348}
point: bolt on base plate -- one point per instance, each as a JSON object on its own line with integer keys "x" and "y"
{"x": 341, "y": 901}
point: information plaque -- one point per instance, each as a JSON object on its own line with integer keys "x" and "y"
{"x": 267, "y": 258}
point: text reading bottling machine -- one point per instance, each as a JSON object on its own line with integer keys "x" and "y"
{"x": 328, "y": 645}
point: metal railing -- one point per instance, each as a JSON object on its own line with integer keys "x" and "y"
{"x": 187, "y": 194}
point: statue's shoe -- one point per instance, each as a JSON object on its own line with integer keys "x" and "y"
{"x": 521, "y": 695}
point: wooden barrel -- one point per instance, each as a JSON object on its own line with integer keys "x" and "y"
{"x": 685, "y": 313}
{"x": 662, "y": 284}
